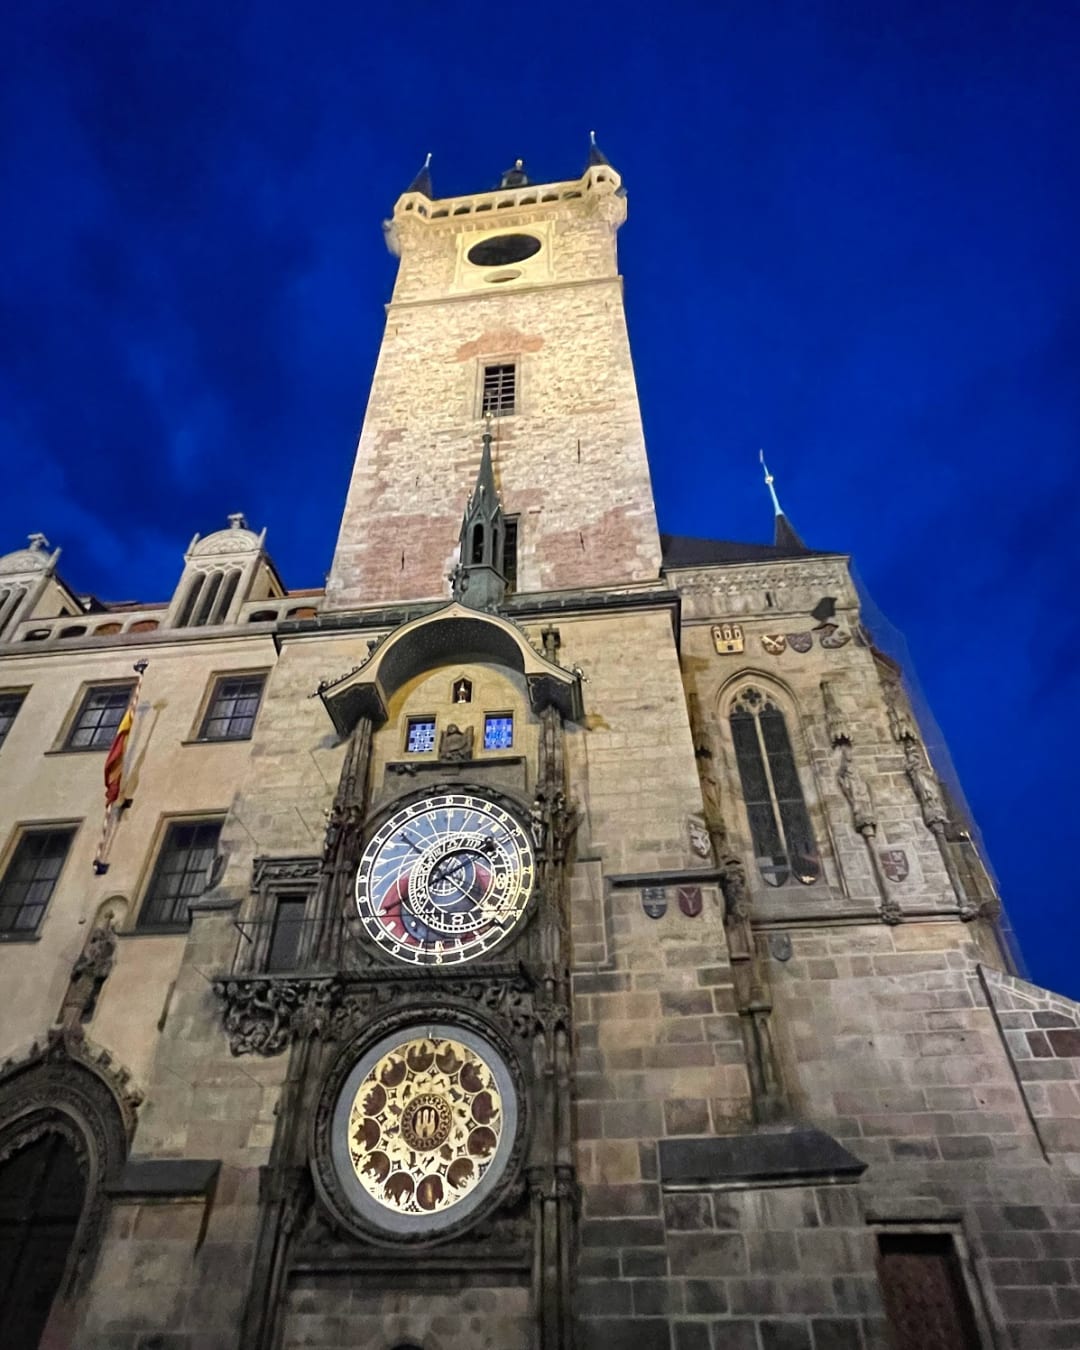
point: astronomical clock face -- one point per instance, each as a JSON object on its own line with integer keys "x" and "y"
{"x": 423, "y": 1128}
{"x": 445, "y": 879}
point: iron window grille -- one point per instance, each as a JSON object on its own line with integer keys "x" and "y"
{"x": 420, "y": 737}
{"x": 181, "y": 874}
{"x": 31, "y": 878}
{"x": 779, "y": 822}
{"x": 9, "y": 709}
{"x": 98, "y": 717}
{"x": 499, "y": 395}
{"x": 498, "y": 731}
{"x": 233, "y": 708}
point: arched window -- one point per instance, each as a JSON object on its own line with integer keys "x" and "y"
{"x": 41, "y": 1197}
{"x": 478, "y": 544}
{"x": 779, "y": 822}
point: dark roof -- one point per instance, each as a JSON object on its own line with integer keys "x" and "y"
{"x": 596, "y": 155}
{"x": 681, "y": 550}
{"x": 785, "y": 534}
{"x": 422, "y": 181}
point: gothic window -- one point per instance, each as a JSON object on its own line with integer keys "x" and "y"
{"x": 41, "y": 1196}
{"x": 923, "y": 1290}
{"x": 233, "y": 705}
{"x": 498, "y": 731}
{"x": 286, "y": 933}
{"x": 98, "y": 717}
{"x": 510, "y": 558}
{"x": 420, "y": 737}
{"x": 779, "y": 823}
{"x": 30, "y": 879}
{"x": 10, "y": 703}
{"x": 499, "y": 393}
{"x": 182, "y": 873}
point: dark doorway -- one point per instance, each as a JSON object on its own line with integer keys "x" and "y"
{"x": 41, "y": 1198}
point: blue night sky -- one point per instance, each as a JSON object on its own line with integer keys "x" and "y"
{"x": 852, "y": 240}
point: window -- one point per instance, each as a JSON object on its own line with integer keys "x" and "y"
{"x": 421, "y": 735}
{"x": 510, "y": 540}
{"x": 9, "y": 707}
{"x": 499, "y": 394}
{"x": 286, "y": 933}
{"x": 233, "y": 706}
{"x": 182, "y": 873}
{"x": 923, "y": 1290}
{"x": 779, "y": 824}
{"x": 95, "y": 726}
{"x": 498, "y": 731}
{"x": 31, "y": 878}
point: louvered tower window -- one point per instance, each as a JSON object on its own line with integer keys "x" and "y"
{"x": 779, "y": 822}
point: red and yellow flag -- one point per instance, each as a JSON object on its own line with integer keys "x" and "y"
{"x": 114, "y": 760}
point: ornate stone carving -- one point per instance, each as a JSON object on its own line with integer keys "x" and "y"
{"x": 986, "y": 907}
{"x": 835, "y": 721}
{"x": 699, "y": 836}
{"x": 925, "y": 786}
{"x": 270, "y": 871}
{"x": 455, "y": 743}
{"x": 737, "y": 902}
{"x": 263, "y": 1015}
{"x": 900, "y": 721}
{"x": 857, "y": 791}
{"x": 88, "y": 974}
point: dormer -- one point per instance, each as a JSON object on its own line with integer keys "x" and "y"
{"x": 222, "y": 571}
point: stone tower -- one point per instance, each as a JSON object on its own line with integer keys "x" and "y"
{"x": 507, "y": 302}
{"x": 555, "y": 936}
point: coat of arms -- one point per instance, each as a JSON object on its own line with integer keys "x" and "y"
{"x": 894, "y": 863}
{"x": 774, "y": 643}
{"x": 690, "y": 900}
{"x": 836, "y": 638}
{"x": 728, "y": 638}
{"x": 654, "y": 901}
{"x": 800, "y": 642}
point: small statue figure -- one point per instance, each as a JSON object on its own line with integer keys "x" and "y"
{"x": 737, "y": 902}
{"x": 926, "y": 788}
{"x": 455, "y": 743}
{"x": 900, "y": 723}
{"x": 699, "y": 836}
{"x": 855, "y": 788}
{"x": 88, "y": 974}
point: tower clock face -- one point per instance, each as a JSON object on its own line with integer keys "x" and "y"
{"x": 445, "y": 879}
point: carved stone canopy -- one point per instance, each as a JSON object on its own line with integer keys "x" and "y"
{"x": 454, "y": 635}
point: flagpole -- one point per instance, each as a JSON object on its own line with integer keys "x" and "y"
{"x": 114, "y": 802}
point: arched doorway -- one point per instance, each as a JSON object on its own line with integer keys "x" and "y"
{"x": 42, "y": 1189}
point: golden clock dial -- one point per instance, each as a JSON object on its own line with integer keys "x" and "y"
{"x": 445, "y": 879}
{"x": 425, "y": 1125}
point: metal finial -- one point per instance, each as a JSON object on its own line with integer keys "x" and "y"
{"x": 769, "y": 484}
{"x": 427, "y": 160}
{"x": 592, "y": 137}
{"x": 519, "y": 163}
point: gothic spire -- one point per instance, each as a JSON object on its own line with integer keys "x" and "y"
{"x": 784, "y": 533}
{"x": 479, "y": 579}
{"x": 422, "y": 181}
{"x": 596, "y": 155}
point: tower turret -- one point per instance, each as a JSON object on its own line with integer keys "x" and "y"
{"x": 479, "y": 579}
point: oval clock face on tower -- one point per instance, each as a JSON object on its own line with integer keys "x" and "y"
{"x": 445, "y": 879}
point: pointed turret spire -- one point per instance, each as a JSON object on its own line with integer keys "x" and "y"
{"x": 596, "y": 155}
{"x": 479, "y": 580}
{"x": 422, "y": 181}
{"x": 784, "y": 533}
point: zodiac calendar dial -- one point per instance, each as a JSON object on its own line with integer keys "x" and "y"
{"x": 445, "y": 879}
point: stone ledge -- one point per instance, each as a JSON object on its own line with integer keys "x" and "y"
{"x": 166, "y": 1179}
{"x": 793, "y": 1157}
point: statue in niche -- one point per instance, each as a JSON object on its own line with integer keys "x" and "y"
{"x": 463, "y": 691}
{"x": 900, "y": 723}
{"x": 857, "y": 791}
{"x": 455, "y": 743}
{"x": 88, "y": 974}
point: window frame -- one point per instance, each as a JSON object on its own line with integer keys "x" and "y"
{"x": 965, "y": 1268}
{"x": 488, "y": 362}
{"x": 416, "y": 719}
{"x": 19, "y": 836}
{"x": 71, "y": 726}
{"x": 792, "y": 882}
{"x": 19, "y": 698}
{"x": 287, "y": 895}
{"x": 156, "y": 924}
{"x": 210, "y": 700}
{"x": 507, "y": 715}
